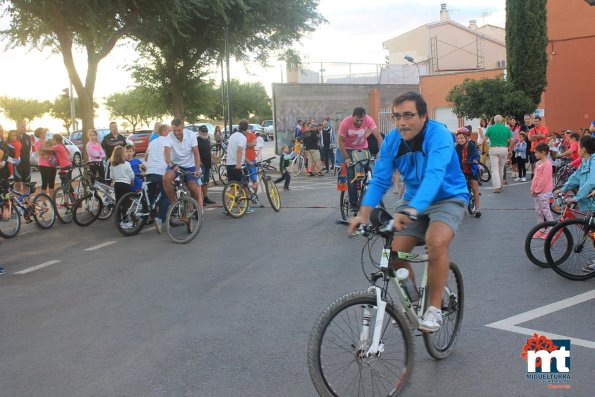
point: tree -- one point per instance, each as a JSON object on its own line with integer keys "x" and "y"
{"x": 136, "y": 106}
{"x": 26, "y": 109}
{"x": 487, "y": 97}
{"x": 60, "y": 109}
{"x": 177, "y": 59}
{"x": 526, "y": 44}
{"x": 62, "y": 25}
{"x": 248, "y": 100}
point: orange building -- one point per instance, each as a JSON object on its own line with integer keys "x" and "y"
{"x": 570, "y": 93}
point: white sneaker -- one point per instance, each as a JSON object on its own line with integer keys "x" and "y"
{"x": 432, "y": 320}
{"x": 523, "y": 179}
{"x": 126, "y": 225}
{"x": 517, "y": 179}
{"x": 159, "y": 225}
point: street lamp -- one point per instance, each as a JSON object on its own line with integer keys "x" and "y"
{"x": 410, "y": 59}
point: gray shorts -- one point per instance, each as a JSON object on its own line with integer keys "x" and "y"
{"x": 449, "y": 211}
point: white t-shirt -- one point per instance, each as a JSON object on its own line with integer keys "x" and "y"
{"x": 181, "y": 152}
{"x": 237, "y": 139}
{"x": 156, "y": 160}
{"x": 259, "y": 147}
{"x": 122, "y": 173}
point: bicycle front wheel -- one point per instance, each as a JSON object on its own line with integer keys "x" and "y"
{"x": 108, "y": 206}
{"x": 184, "y": 220}
{"x": 575, "y": 236}
{"x": 340, "y": 339}
{"x": 87, "y": 209}
{"x": 235, "y": 199}
{"x": 64, "y": 204}
{"x": 10, "y": 220}
{"x": 535, "y": 243}
{"x": 272, "y": 194}
{"x": 344, "y": 206}
{"x": 440, "y": 344}
{"x": 130, "y": 217}
{"x": 45, "y": 212}
{"x": 297, "y": 165}
{"x": 472, "y": 206}
{"x": 484, "y": 173}
{"x": 223, "y": 174}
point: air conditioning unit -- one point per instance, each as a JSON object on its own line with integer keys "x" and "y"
{"x": 502, "y": 63}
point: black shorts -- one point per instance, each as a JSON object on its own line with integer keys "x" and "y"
{"x": 206, "y": 175}
{"x": 532, "y": 158}
{"x": 22, "y": 173}
{"x": 233, "y": 174}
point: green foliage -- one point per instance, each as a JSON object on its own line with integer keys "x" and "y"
{"x": 487, "y": 97}
{"x": 135, "y": 106}
{"x": 26, "y": 109}
{"x": 61, "y": 110}
{"x": 526, "y": 44}
{"x": 248, "y": 100}
{"x": 177, "y": 59}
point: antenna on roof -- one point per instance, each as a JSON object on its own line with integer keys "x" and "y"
{"x": 483, "y": 17}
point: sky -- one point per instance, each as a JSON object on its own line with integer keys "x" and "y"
{"x": 354, "y": 33}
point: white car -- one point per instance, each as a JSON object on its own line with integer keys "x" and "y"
{"x": 269, "y": 130}
{"x": 75, "y": 154}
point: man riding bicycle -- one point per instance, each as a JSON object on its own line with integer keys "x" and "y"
{"x": 353, "y": 134}
{"x": 181, "y": 153}
{"x": 436, "y": 194}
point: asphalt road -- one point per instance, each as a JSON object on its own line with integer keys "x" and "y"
{"x": 229, "y": 314}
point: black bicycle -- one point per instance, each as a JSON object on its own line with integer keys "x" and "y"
{"x": 360, "y": 181}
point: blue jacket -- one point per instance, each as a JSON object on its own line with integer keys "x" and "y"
{"x": 429, "y": 167}
{"x": 583, "y": 179}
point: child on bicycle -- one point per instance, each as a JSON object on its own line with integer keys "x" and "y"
{"x": 469, "y": 159}
{"x": 137, "y": 167}
{"x": 542, "y": 186}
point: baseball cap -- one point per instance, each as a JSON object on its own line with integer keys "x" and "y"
{"x": 203, "y": 128}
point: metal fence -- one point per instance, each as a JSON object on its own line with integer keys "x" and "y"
{"x": 385, "y": 122}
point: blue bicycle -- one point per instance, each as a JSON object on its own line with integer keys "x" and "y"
{"x": 14, "y": 204}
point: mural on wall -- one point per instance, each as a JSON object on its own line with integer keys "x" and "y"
{"x": 286, "y": 119}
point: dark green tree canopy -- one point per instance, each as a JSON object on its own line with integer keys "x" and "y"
{"x": 526, "y": 44}
{"x": 136, "y": 106}
{"x": 487, "y": 97}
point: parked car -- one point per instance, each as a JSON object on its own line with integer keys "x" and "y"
{"x": 76, "y": 137}
{"x": 195, "y": 127}
{"x": 141, "y": 140}
{"x": 75, "y": 153}
{"x": 269, "y": 130}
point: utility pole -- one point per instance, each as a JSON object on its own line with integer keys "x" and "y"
{"x": 226, "y": 33}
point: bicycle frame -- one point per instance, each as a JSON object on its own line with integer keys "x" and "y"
{"x": 381, "y": 293}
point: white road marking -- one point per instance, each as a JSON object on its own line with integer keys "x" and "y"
{"x": 96, "y": 247}
{"x": 510, "y": 323}
{"x": 33, "y": 268}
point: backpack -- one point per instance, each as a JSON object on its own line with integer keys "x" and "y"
{"x": 53, "y": 160}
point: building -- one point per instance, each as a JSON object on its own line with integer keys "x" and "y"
{"x": 569, "y": 98}
{"x": 446, "y": 46}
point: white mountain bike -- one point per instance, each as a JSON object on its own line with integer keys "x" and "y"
{"x": 362, "y": 344}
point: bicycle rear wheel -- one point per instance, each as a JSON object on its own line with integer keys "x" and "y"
{"x": 557, "y": 203}
{"x": 45, "y": 212}
{"x": 10, "y": 220}
{"x": 535, "y": 244}
{"x": 64, "y": 204}
{"x": 336, "y": 351}
{"x": 272, "y": 193}
{"x": 130, "y": 216}
{"x": 184, "y": 220}
{"x": 440, "y": 344}
{"x": 108, "y": 206}
{"x": 87, "y": 209}
{"x": 344, "y": 206}
{"x": 576, "y": 237}
{"x": 235, "y": 199}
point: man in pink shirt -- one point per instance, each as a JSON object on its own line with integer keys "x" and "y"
{"x": 353, "y": 134}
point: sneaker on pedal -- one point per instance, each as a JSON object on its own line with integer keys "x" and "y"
{"x": 539, "y": 234}
{"x": 126, "y": 225}
{"x": 432, "y": 320}
{"x": 159, "y": 225}
{"x": 590, "y": 267}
